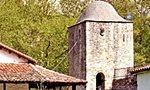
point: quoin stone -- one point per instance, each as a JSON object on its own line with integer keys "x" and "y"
{"x": 101, "y": 45}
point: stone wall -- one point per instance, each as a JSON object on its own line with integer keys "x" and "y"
{"x": 101, "y": 47}
{"x": 123, "y": 45}
{"x": 12, "y": 86}
{"x": 107, "y": 52}
{"x": 77, "y": 52}
{"x": 99, "y": 53}
{"x": 128, "y": 83}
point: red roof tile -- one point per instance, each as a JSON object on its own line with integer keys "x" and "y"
{"x": 19, "y": 72}
{"x": 33, "y": 73}
{"x": 57, "y": 77}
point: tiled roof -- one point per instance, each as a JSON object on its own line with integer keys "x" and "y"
{"x": 140, "y": 69}
{"x": 19, "y": 73}
{"x": 30, "y": 59}
{"x": 57, "y": 77}
{"x": 33, "y": 73}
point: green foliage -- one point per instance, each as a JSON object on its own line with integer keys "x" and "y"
{"x": 73, "y": 7}
{"x": 37, "y": 29}
{"x": 33, "y": 30}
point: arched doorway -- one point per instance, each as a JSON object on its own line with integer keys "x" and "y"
{"x": 100, "y": 81}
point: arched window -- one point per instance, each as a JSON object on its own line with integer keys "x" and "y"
{"x": 100, "y": 81}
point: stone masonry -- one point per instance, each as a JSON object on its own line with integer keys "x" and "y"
{"x": 101, "y": 42}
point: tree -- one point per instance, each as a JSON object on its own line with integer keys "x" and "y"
{"x": 37, "y": 30}
{"x": 73, "y": 7}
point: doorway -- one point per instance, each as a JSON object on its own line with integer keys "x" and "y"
{"x": 100, "y": 81}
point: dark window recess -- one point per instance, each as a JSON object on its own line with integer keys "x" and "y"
{"x": 100, "y": 81}
{"x": 123, "y": 38}
{"x": 102, "y": 31}
{"x": 79, "y": 33}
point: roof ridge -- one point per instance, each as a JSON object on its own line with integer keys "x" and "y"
{"x": 34, "y": 67}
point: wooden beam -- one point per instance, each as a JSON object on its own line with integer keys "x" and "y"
{"x": 54, "y": 88}
{"x": 73, "y": 87}
{"x": 60, "y": 87}
{"x": 4, "y": 86}
{"x": 39, "y": 86}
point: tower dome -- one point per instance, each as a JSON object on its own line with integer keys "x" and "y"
{"x": 100, "y": 11}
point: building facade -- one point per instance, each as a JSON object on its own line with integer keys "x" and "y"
{"x": 20, "y": 72}
{"x": 101, "y": 45}
{"x": 143, "y": 77}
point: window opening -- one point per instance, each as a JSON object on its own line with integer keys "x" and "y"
{"x": 123, "y": 38}
{"x": 102, "y": 31}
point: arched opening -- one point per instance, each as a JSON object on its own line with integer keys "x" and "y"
{"x": 100, "y": 81}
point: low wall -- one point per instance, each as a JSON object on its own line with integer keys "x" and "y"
{"x": 128, "y": 83}
{"x": 14, "y": 86}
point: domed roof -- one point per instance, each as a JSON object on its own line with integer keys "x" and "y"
{"x": 100, "y": 11}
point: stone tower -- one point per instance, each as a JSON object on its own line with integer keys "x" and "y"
{"x": 101, "y": 46}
